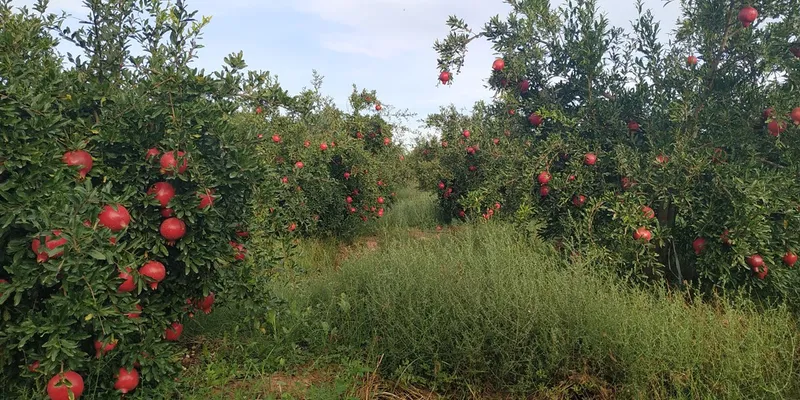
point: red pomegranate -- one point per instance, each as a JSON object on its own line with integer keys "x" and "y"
{"x": 795, "y": 115}
{"x": 544, "y": 191}
{"x": 590, "y": 159}
{"x": 633, "y": 126}
{"x": 579, "y": 200}
{"x": 380, "y": 212}
{"x": 127, "y": 380}
{"x": 292, "y": 227}
{"x": 169, "y": 164}
{"x": 378, "y": 107}
{"x": 498, "y": 64}
{"x": 163, "y": 192}
{"x": 129, "y": 284}
{"x": 790, "y": 258}
{"x": 544, "y": 178}
{"x": 691, "y": 60}
{"x": 323, "y": 146}
{"x": 205, "y": 303}
{"x": 298, "y": 164}
{"x": 135, "y": 314}
{"x": 79, "y": 158}
{"x": 761, "y": 272}
{"x": 167, "y": 212}
{"x": 747, "y": 15}
{"x": 724, "y": 238}
{"x": 462, "y": 214}
{"x": 65, "y": 386}
{"x": 380, "y": 200}
{"x": 206, "y": 199}
{"x": 444, "y": 77}
{"x": 699, "y": 245}
{"x": 173, "y": 332}
{"x": 155, "y": 271}
{"x": 535, "y": 119}
{"x": 346, "y": 175}
{"x": 276, "y": 138}
{"x": 648, "y": 212}
{"x": 387, "y": 141}
{"x": 444, "y": 143}
{"x": 465, "y": 133}
{"x": 524, "y": 86}
{"x": 115, "y": 217}
{"x": 775, "y": 127}
{"x": 173, "y": 229}
{"x": 102, "y": 349}
{"x": 34, "y": 366}
{"x": 52, "y": 244}
{"x": 662, "y": 159}
{"x": 642, "y": 233}
{"x": 151, "y": 153}
{"x": 755, "y": 261}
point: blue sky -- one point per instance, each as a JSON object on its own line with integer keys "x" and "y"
{"x": 385, "y": 45}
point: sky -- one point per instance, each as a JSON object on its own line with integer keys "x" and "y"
{"x": 386, "y": 45}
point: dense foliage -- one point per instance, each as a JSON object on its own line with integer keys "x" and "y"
{"x": 678, "y": 160}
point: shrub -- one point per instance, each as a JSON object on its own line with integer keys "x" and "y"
{"x": 691, "y": 141}
{"x": 97, "y": 272}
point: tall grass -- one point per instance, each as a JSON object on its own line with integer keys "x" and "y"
{"x": 486, "y": 306}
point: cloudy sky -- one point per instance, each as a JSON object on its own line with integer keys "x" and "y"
{"x": 385, "y": 45}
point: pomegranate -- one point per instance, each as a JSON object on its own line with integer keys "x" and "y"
{"x": 662, "y": 159}
{"x": 642, "y": 233}
{"x": 754, "y": 261}
{"x": 292, "y": 227}
{"x": 589, "y": 159}
{"x": 127, "y": 380}
{"x": 724, "y": 238}
{"x": 163, "y": 191}
{"x": 380, "y": 212}
{"x": 535, "y": 119}
{"x": 470, "y": 150}
{"x": 462, "y": 214}
{"x": 544, "y": 178}
{"x": 79, "y": 158}
{"x": 359, "y": 135}
{"x": 151, "y": 153}
{"x": 115, "y": 217}
{"x": 346, "y": 175}
{"x": 53, "y": 244}
{"x": 258, "y": 110}
{"x": 633, "y": 126}
{"x": 102, "y": 349}
{"x": 167, "y": 212}
{"x": 298, "y": 164}
{"x": 691, "y": 60}
{"x": 173, "y": 332}
{"x": 496, "y": 141}
{"x": 205, "y": 303}
{"x": 776, "y": 127}
{"x": 380, "y": 200}
{"x": 34, "y": 366}
{"x": 387, "y": 141}
{"x": 285, "y": 179}
{"x": 578, "y": 200}
{"x": 465, "y": 133}
{"x": 65, "y": 386}
{"x": 441, "y": 185}
{"x": 472, "y": 168}
{"x": 498, "y": 64}
{"x": 571, "y": 178}
{"x": 169, "y": 164}
{"x": 761, "y": 272}
{"x": 323, "y": 146}
{"x": 173, "y": 229}
{"x": 524, "y": 86}
{"x": 378, "y": 107}
{"x": 349, "y": 200}
{"x": 444, "y": 77}
{"x": 155, "y": 271}
{"x": 242, "y": 234}
{"x": 626, "y": 182}
{"x": 544, "y": 191}
{"x": 648, "y": 212}
{"x": 444, "y": 143}
{"x": 699, "y": 245}
{"x": 129, "y": 284}
{"x": 306, "y": 143}
{"x": 206, "y": 199}
{"x": 795, "y": 115}
{"x": 790, "y": 258}
{"x": 135, "y": 314}
{"x": 747, "y": 15}
{"x": 276, "y": 138}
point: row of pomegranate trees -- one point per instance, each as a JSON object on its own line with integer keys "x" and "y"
{"x": 125, "y": 198}
{"x": 334, "y": 170}
{"x": 678, "y": 161}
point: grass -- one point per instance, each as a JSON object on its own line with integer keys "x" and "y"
{"x": 483, "y": 312}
